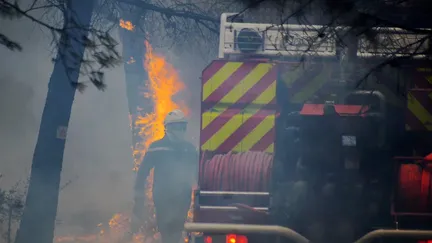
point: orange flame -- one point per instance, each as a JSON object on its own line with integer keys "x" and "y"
{"x": 126, "y": 25}
{"x": 163, "y": 84}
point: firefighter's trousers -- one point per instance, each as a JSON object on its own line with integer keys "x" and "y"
{"x": 171, "y": 214}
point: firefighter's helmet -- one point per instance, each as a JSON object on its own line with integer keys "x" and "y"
{"x": 175, "y": 116}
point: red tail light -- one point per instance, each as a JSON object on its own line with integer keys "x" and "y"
{"x": 232, "y": 238}
{"x": 208, "y": 239}
{"x": 425, "y": 241}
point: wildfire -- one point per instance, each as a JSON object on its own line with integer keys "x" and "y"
{"x": 126, "y": 25}
{"x": 163, "y": 84}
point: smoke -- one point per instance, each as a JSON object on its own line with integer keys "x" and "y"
{"x": 189, "y": 66}
{"x": 97, "y": 169}
{"x": 97, "y": 159}
{"x": 22, "y": 75}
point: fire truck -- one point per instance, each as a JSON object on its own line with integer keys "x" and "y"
{"x": 314, "y": 134}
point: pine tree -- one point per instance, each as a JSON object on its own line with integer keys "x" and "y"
{"x": 38, "y": 220}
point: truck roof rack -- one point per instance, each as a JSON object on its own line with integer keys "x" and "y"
{"x": 258, "y": 39}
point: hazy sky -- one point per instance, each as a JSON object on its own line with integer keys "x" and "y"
{"x": 98, "y": 149}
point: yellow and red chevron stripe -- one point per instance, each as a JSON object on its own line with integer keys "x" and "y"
{"x": 304, "y": 83}
{"x": 238, "y": 106}
{"x": 419, "y": 102}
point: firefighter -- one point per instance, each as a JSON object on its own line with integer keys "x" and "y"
{"x": 175, "y": 163}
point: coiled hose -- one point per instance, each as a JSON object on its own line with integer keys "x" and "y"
{"x": 415, "y": 187}
{"x": 245, "y": 171}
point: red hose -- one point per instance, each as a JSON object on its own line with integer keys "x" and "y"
{"x": 225, "y": 175}
{"x": 415, "y": 187}
{"x": 254, "y": 181}
{"x": 246, "y": 171}
{"x": 239, "y": 173}
{"x": 201, "y": 168}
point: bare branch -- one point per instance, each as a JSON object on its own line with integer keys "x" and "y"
{"x": 169, "y": 11}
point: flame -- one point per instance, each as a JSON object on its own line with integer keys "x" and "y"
{"x": 163, "y": 84}
{"x": 126, "y": 25}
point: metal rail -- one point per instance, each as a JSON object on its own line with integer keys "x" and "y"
{"x": 413, "y": 234}
{"x": 231, "y": 208}
{"x": 275, "y": 41}
{"x": 233, "y": 193}
{"x": 296, "y": 237}
{"x": 244, "y": 229}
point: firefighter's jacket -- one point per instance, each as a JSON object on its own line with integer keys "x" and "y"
{"x": 175, "y": 171}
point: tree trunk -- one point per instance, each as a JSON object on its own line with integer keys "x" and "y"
{"x": 135, "y": 75}
{"x": 38, "y": 220}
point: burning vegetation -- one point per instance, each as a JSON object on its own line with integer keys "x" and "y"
{"x": 163, "y": 84}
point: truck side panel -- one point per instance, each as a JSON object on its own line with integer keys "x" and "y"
{"x": 238, "y": 114}
{"x": 408, "y": 87}
{"x": 419, "y": 101}
{"x": 306, "y": 82}
{"x": 238, "y": 107}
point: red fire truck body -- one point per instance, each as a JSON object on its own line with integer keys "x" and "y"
{"x": 298, "y": 134}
